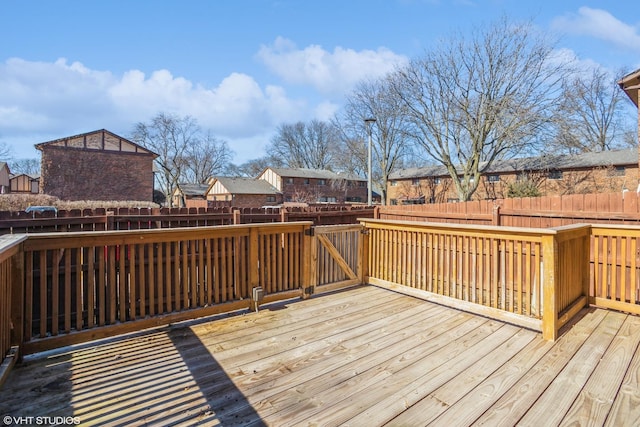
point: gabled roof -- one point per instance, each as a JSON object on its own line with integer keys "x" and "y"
{"x": 628, "y": 157}
{"x": 419, "y": 172}
{"x": 29, "y": 175}
{"x": 239, "y": 185}
{"x": 98, "y": 140}
{"x": 194, "y": 189}
{"x": 314, "y": 173}
{"x": 630, "y": 84}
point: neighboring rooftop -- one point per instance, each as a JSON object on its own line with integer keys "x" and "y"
{"x": 630, "y": 84}
{"x": 194, "y": 189}
{"x": 101, "y": 139}
{"x": 315, "y": 173}
{"x": 577, "y": 161}
{"x": 239, "y": 185}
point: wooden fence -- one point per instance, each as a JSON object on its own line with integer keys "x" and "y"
{"x": 147, "y": 218}
{"x": 537, "y": 212}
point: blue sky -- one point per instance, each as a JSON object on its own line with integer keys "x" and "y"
{"x": 242, "y": 67}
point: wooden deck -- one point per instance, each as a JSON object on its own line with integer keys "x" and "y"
{"x": 364, "y": 356}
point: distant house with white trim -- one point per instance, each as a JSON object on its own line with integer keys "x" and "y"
{"x": 24, "y": 183}
{"x": 243, "y": 192}
{"x": 5, "y": 176}
{"x": 190, "y": 195}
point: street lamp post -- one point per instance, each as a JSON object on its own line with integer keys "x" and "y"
{"x": 369, "y": 122}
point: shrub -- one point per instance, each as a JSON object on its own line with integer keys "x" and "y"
{"x": 523, "y": 188}
{"x": 19, "y": 202}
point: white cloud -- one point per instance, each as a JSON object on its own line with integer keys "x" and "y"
{"x": 47, "y": 100}
{"x": 568, "y": 56}
{"x": 326, "y": 110}
{"x": 600, "y": 24}
{"x": 329, "y": 72}
{"x": 53, "y": 100}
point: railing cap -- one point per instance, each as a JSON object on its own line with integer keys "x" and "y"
{"x": 463, "y": 227}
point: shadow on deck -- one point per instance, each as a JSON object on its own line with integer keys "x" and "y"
{"x": 362, "y": 356}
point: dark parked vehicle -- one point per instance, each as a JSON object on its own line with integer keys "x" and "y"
{"x": 34, "y": 209}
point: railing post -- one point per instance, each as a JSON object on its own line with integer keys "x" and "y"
{"x": 363, "y": 258}
{"x": 549, "y": 287}
{"x": 495, "y": 220}
{"x": 309, "y": 262}
{"x": 236, "y": 216}
{"x": 17, "y": 300}
{"x": 254, "y": 267}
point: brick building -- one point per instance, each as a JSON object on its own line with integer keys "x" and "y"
{"x": 97, "y": 165}
{"x": 316, "y": 186}
{"x": 608, "y": 171}
{"x": 243, "y": 192}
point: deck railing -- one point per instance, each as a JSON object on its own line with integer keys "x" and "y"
{"x": 90, "y": 285}
{"x": 527, "y": 276}
{"x": 339, "y": 256}
{"x": 62, "y": 288}
{"x": 10, "y": 301}
{"x": 615, "y": 267}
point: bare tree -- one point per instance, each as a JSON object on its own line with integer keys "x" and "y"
{"x": 253, "y": 168}
{"x": 374, "y": 99}
{"x": 26, "y": 166}
{"x": 592, "y": 113}
{"x": 205, "y": 157}
{"x": 169, "y": 136}
{"x": 6, "y": 153}
{"x": 305, "y": 145}
{"x": 471, "y": 102}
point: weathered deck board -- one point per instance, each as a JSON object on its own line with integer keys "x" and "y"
{"x": 362, "y": 356}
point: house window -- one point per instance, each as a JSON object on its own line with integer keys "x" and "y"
{"x": 494, "y": 178}
{"x": 289, "y": 181}
{"x": 353, "y": 199}
{"x": 415, "y": 181}
{"x": 394, "y": 202}
{"x": 394, "y": 183}
{"x": 306, "y": 181}
{"x": 271, "y": 199}
{"x": 327, "y": 199}
{"x": 617, "y": 171}
{"x": 321, "y": 182}
{"x": 362, "y": 183}
{"x": 437, "y": 181}
{"x": 555, "y": 174}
